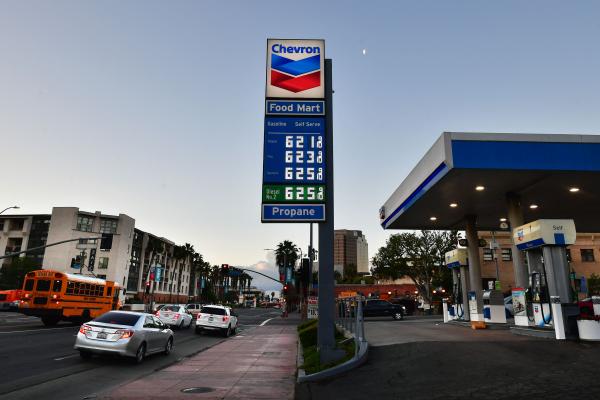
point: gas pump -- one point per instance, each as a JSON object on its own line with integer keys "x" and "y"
{"x": 455, "y": 259}
{"x": 547, "y": 301}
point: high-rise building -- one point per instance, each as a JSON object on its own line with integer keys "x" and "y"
{"x": 351, "y": 250}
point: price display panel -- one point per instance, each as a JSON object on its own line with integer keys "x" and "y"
{"x": 293, "y": 193}
{"x": 294, "y": 151}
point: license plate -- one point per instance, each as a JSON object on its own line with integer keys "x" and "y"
{"x": 210, "y": 318}
{"x": 102, "y": 335}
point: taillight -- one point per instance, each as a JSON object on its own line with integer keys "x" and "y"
{"x": 156, "y": 313}
{"x": 124, "y": 334}
{"x": 199, "y": 315}
{"x": 225, "y": 318}
{"x": 26, "y": 295}
{"x": 177, "y": 316}
{"x": 84, "y": 329}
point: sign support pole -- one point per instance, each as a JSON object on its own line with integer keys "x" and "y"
{"x": 326, "y": 334}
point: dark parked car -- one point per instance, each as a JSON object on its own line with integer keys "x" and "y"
{"x": 409, "y": 305}
{"x": 383, "y": 308}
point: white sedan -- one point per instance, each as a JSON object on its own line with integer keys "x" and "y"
{"x": 175, "y": 316}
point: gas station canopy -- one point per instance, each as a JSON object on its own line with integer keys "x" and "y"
{"x": 555, "y": 176}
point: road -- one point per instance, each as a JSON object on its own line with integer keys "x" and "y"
{"x": 39, "y": 362}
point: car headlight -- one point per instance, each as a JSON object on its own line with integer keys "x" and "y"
{"x": 404, "y": 308}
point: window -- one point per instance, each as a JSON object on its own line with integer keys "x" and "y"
{"x": 43, "y": 285}
{"x": 108, "y": 226}
{"x": 587, "y": 255}
{"x": 149, "y": 322}
{"x": 16, "y": 224}
{"x": 1, "y": 224}
{"x": 57, "y": 286}
{"x": 101, "y": 276}
{"x": 29, "y": 285}
{"x": 109, "y": 291}
{"x": 84, "y": 223}
{"x": 119, "y": 318}
{"x": 213, "y": 311}
{"x": 506, "y": 255}
{"x": 488, "y": 255}
{"x": 103, "y": 263}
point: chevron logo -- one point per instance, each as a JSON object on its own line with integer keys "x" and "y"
{"x": 295, "y": 75}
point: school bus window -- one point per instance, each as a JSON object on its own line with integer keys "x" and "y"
{"x": 109, "y": 291}
{"x": 29, "y": 284}
{"x": 70, "y": 287}
{"x": 43, "y": 285}
{"x": 57, "y": 286}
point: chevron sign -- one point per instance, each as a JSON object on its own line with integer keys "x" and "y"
{"x": 295, "y": 68}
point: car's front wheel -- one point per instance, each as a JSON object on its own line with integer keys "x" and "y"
{"x": 398, "y": 316}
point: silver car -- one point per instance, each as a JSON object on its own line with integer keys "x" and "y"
{"x": 124, "y": 333}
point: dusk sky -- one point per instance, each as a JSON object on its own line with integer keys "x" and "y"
{"x": 155, "y": 109}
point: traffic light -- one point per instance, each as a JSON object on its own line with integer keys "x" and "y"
{"x": 286, "y": 288}
{"x": 225, "y": 269}
{"x": 76, "y": 262}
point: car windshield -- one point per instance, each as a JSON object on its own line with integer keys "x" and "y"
{"x": 213, "y": 310}
{"x": 170, "y": 308}
{"x": 118, "y": 318}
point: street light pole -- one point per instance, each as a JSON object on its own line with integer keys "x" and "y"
{"x": 9, "y": 208}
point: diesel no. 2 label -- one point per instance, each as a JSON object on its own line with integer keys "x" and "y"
{"x": 294, "y": 150}
{"x": 294, "y": 193}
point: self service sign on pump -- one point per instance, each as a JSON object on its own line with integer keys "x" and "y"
{"x": 294, "y": 161}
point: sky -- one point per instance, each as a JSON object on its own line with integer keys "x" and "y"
{"x": 155, "y": 109}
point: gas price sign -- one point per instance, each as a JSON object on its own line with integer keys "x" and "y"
{"x": 294, "y": 164}
{"x": 294, "y": 150}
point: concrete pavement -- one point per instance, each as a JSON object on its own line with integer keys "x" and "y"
{"x": 432, "y": 360}
{"x": 260, "y": 363}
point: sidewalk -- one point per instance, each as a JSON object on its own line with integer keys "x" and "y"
{"x": 259, "y": 363}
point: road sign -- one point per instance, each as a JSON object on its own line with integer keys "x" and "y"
{"x": 313, "y": 307}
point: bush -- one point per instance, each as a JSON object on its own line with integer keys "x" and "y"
{"x": 308, "y": 335}
{"x": 306, "y": 324}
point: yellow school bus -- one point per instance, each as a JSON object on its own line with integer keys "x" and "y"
{"x": 55, "y": 296}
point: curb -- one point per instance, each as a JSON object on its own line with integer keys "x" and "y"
{"x": 354, "y": 362}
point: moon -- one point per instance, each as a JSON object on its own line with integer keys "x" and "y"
{"x": 364, "y": 52}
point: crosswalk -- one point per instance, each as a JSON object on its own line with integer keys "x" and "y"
{"x": 14, "y": 318}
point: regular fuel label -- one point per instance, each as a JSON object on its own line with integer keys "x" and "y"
{"x": 294, "y": 150}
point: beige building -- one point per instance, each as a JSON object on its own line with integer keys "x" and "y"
{"x": 23, "y": 232}
{"x": 584, "y": 258}
{"x": 351, "y": 248}
{"x": 124, "y": 256}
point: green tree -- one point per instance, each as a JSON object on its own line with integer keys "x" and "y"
{"x": 593, "y": 284}
{"x": 13, "y": 273}
{"x": 419, "y": 256}
{"x": 286, "y": 254}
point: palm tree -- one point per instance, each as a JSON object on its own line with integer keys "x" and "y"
{"x": 286, "y": 255}
{"x": 179, "y": 253}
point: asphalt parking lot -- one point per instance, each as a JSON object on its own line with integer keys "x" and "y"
{"x": 423, "y": 358}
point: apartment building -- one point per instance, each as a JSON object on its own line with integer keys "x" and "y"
{"x": 23, "y": 232}
{"x": 124, "y": 256}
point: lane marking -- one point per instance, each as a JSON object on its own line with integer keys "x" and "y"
{"x": 266, "y": 321}
{"x": 65, "y": 357}
{"x": 41, "y": 330}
